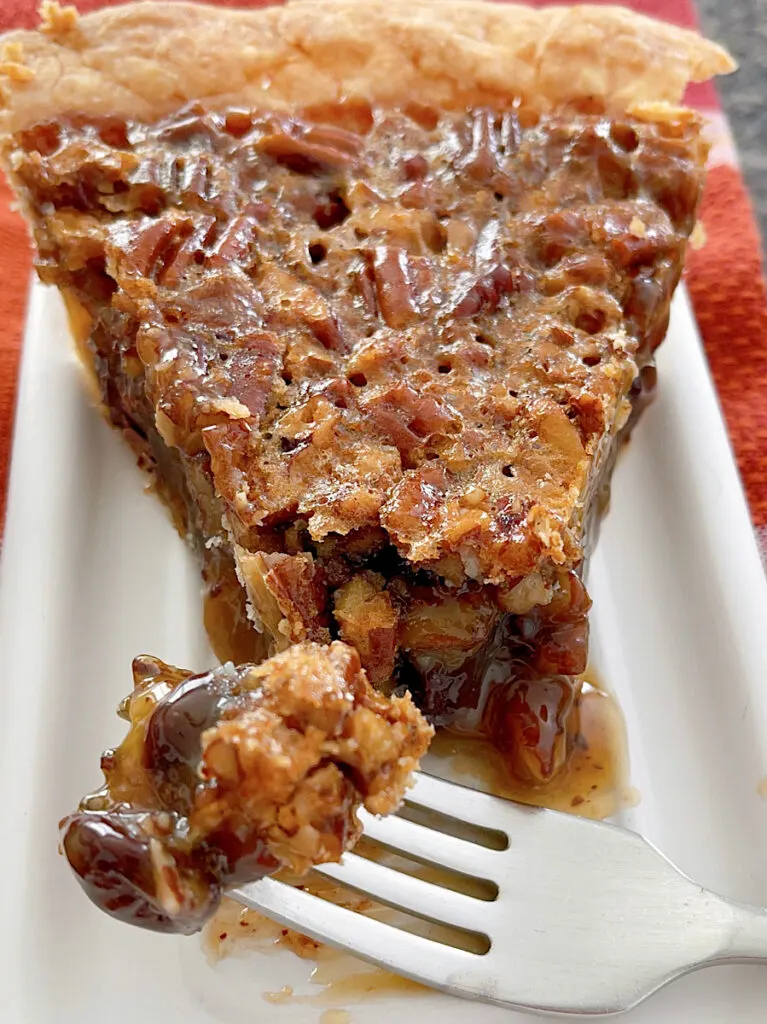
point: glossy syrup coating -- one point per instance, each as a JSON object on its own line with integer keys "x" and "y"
{"x": 380, "y": 360}
{"x": 229, "y": 775}
{"x": 365, "y": 317}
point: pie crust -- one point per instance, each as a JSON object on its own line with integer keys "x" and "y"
{"x": 145, "y": 60}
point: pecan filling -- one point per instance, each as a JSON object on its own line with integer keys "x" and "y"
{"x": 227, "y": 776}
{"x": 380, "y": 360}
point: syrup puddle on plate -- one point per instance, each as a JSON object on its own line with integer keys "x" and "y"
{"x": 336, "y": 1017}
{"x": 594, "y": 785}
{"x": 333, "y": 979}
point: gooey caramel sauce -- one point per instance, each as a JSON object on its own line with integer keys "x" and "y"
{"x": 594, "y": 784}
{"x": 230, "y": 633}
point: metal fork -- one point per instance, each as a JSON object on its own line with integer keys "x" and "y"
{"x": 589, "y": 918}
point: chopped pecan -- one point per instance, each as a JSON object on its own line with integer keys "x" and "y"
{"x": 559, "y": 234}
{"x": 365, "y": 285}
{"x": 369, "y": 621}
{"x": 485, "y": 294}
{"x": 415, "y": 167}
{"x": 195, "y": 176}
{"x": 191, "y": 251}
{"x": 150, "y": 184}
{"x": 647, "y": 307}
{"x": 330, "y": 210}
{"x": 597, "y": 156}
{"x": 530, "y": 724}
{"x": 193, "y": 122}
{"x": 560, "y": 629}
{"x": 417, "y": 232}
{"x": 420, "y": 195}
{"x": 408, "y": 419}
{"x": 579, "y": 268}
{"x": 311, "y": 149}
{"x": 253, "y": 370}
{"x": 239, "y": 235}
{"x": 525, "y": 594}
{"x": 305, "y": 359}
{"x": 294, "y": 300}
{"x": 147, "y": 248}
{"x": 440, "y": 622}
{"x": 311, "y": 421}
{"x": 375, "y": 356}
{"x": 399, "y": 280}
{"x": 352, "y": 114}
{"x": 493, "y": 136}
{"x": 589, "y": 413}
{"x": 633, "y": 238}
{"x": 481, "y": 159}
{"x": 44, "y": 139}
{"x": 288, "y": 594}
{"x": 413, "y": 510}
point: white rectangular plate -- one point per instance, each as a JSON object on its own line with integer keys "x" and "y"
{"x": 93, "y": 574}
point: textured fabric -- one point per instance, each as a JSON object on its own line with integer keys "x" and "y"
{"x": 725, "y": 279}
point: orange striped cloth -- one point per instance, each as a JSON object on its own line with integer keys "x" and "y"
{"x": 725, "y": 279}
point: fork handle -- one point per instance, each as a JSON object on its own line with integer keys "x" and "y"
{"x": 748, "y": 934}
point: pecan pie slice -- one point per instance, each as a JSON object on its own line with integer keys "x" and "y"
{"x": 226, "y": 776}
{"x": 374, "y": 290}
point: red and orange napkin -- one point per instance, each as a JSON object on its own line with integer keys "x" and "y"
{"x": 725, "y": 279}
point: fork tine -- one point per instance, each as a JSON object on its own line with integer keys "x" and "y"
{"x": 465, "y": 804}
{"x": 425, "y": 844}
{"x": 396, "y": 889}
{"x": 410, "y": 955}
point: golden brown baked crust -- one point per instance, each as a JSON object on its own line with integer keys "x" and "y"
{"x": 146, "y": 59}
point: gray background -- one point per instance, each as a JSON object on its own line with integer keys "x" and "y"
{"x": 741, "y": 25}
